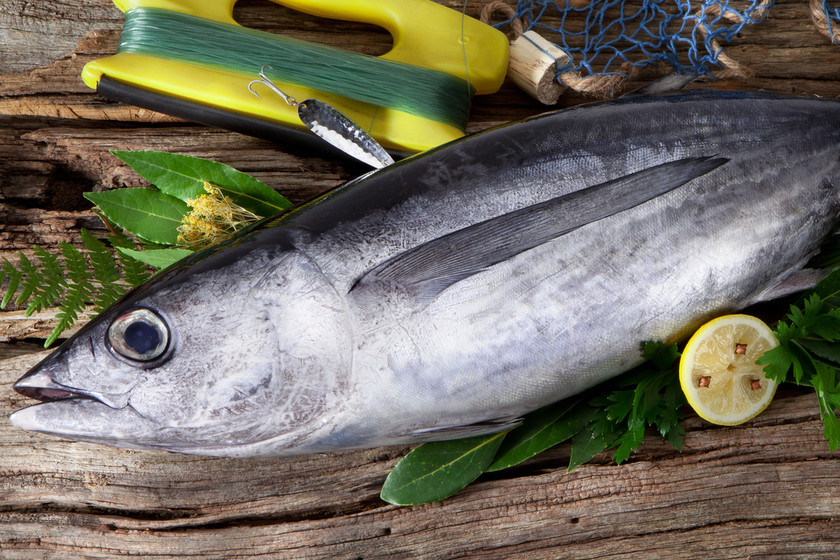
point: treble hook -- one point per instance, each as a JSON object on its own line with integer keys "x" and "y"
{"x": 265, "y": 80}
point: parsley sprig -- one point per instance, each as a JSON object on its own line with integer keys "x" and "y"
{"x": 622, "y": 409}
{"x": 808, "y": 353}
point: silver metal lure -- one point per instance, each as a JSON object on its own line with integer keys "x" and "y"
{"x": 332, "y": 126}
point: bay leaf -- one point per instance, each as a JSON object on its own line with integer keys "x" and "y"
{"x": 434, "y": 471}
{"x": 540, "y": 430}
{"x": 147, "y": 213}
{"x": 184, "y": 176}
{"x": 158, "y": 258}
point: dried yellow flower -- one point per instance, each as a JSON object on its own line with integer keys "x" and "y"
{"x": 214, "y": 217}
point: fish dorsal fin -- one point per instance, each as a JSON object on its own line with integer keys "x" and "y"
{"x": 430, "y": 268}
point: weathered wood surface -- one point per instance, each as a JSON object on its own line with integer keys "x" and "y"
{"x": 763, "y": 490}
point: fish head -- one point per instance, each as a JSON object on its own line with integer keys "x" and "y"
{"x": 238, "y": 356}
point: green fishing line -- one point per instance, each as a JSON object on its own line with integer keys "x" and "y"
{"x": 165, "y": 34}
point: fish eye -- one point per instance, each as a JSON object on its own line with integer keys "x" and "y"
{"x": 139, "y": 335}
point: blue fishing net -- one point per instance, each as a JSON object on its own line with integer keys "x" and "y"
{"x": 603, "y": 35}
{"x": 832, "y": 15}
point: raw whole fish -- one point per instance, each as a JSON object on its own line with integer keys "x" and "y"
{"x": 448, "y": 294}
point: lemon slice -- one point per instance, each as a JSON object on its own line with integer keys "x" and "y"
{"x": 718, "y": 373}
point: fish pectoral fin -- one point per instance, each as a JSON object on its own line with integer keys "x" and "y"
{"x": 470, "y": 430}
{"x": 428, "y": 269}
{"x": 799, "y": 281}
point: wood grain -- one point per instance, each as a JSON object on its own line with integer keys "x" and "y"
{"x": 765, "y": 490}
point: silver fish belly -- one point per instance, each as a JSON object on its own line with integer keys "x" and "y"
{"x": 450, "y": 293}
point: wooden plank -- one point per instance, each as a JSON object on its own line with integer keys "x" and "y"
{"x": 15, "y": 325}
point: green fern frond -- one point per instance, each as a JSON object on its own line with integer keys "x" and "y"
{"x": 29, "y": 279}
{"x": 53, "y": 285}
{"x": 7, "y": 270}
{"x": 106, "y": 273}
{"x": 79, "y": 291}
{"x": 134, "y": 271}
{"x": 97, "y": 276}
{"x": 105, "y": 268}
{"x": 75, "y": 263}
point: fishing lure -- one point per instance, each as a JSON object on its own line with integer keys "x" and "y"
{"x": 332, "y": 126}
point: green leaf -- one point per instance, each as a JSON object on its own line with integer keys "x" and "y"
{"x": 622, "y": 405}
{"x": 777, "y": 362}
{"x": 586, "y": 444}
{"x": 671, "y": 415}
{"x": 653, "y": 398}
{"x": 540, "y": 430}
{"x": 828, "y": 289}
{"x": 824, "y": 383}
{"x": 786, "y": 332}
{"x": 158, "y": 258}
{"x": 184, "y": 177}
{"x": 147, "y": 213}
{"x": 825, "y": 349}
{"x": 826, "y": 326}
{"x": 808, "y": 338}
{"x": 660, "y": 354}
{"x": 434, "y": 471}
{"x": 829, "y": 254}
{"x": 134, "y": 271}
{"x": 812, "y": 320}
{"x": 630, "y": 440}
{"x": 799, "y": 354}
{"x": 634, "y": 433}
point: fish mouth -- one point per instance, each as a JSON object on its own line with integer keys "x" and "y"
{"x": 79, "y": 414}
{"x": 40, "y": 386}
{"x": 46, "y": 394}
{"x": 74, "y": 413}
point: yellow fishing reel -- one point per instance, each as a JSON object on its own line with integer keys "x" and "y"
{"x": 189, "y": 58}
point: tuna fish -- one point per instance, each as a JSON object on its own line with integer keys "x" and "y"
{"x": 448, "y": 294}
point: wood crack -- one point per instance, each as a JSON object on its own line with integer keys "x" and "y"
{"x": 174, "y": 520}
